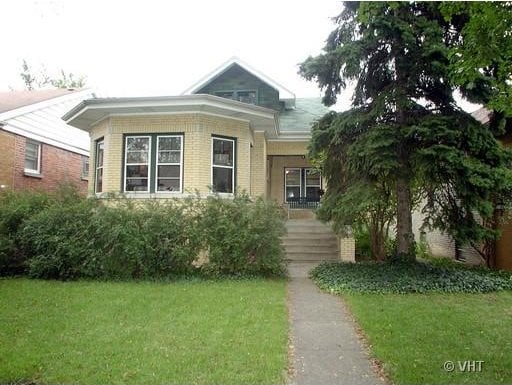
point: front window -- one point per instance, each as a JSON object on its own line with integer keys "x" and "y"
{"x": 169, "y": 161}
{"x": 100, "y": 150}
{"x": 223, "y": 165}
{"x": 138, "y": 150}
{"x": 302, "y": 184}
{"x": 249, "y": 96}
{"x": 33, "y": 157}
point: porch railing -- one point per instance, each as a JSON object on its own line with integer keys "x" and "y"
{"x": 303, "y": 202}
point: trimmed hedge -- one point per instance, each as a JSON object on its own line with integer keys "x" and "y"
{"x": 69, "y": 237}
{"x": 400, "y": 278}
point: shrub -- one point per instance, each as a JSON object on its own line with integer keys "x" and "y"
{"x": 15, "y": 209}
{"x": 371, "y": 277}
{"x": 243, "y": 237}
{"x": 87, "y": 239}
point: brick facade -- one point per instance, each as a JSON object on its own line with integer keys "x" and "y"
{"x": 57, "y": 166}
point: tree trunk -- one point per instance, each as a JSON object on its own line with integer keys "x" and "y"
{"x": 404, "y": 234}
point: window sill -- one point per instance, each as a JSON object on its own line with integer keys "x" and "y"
{"x": 33, "y": 174}
{"x": 86, "y": 178}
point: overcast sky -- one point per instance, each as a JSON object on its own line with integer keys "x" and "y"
{"x": 157, "y": 47}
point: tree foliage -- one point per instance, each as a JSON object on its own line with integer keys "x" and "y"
{"x": 34, "y": 80}
{"x": 404, "y": 140}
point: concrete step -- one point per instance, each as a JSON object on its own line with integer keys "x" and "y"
{"x": 301, "y": 214}
{"x": 309, "y": 230}
{"x": 312, "y": 257}
{"x": 310, "y": 249}
{"x": 306, "y": 242}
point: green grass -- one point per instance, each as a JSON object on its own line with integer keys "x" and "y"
{"x": 229, "y": 332}
{"x": 414, "y": 334}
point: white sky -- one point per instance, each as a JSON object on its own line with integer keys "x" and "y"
{"x": 158, "y": 47}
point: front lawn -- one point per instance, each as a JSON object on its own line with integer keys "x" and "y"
{"x": 444, "y": 335}
{"x": 414, "y": 335}
{"x": 229, "y": 332}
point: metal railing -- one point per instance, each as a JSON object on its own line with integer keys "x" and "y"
{"x": 303, "y": 202}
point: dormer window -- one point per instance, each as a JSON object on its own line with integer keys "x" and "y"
{"x": 247, "y": 96}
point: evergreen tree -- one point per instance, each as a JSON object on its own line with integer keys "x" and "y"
{"x": 404, "y": 131}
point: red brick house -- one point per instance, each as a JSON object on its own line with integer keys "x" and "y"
{"x": 38, "y": 150}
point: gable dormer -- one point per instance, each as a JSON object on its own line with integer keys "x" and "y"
{"x": 238, "y": 81}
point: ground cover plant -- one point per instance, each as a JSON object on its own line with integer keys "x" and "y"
{"x": 184, "y": 332}
{"x": 419, "y": 277}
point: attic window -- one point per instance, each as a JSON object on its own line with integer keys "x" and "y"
{"x": 248, "y": 96}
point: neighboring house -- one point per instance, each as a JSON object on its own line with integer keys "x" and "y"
{"x": 37, "y": 149}
{"x": 441, "y": 244}
{"x": 235, "y": 130}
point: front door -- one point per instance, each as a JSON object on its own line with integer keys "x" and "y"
{"x": 302, "y": 186}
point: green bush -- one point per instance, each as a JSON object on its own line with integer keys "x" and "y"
{"x": 372, "y": 277}
{"x": 243, "y": 237}
{"x": 15, "y": 209}
{"x": 86, "y": 239}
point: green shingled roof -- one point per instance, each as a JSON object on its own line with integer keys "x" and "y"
{"x": 305, "y": 113}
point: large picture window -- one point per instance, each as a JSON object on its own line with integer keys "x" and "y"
{"x": 223, "y": 165}
{"x": 153, "y": 163}
{"x": 98, "y": 182}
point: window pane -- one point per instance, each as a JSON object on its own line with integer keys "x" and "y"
{"x": 313, "y": 192}
{"x": 168, "y": 185}
{"x": 169, "y": 143}
{"x": 137, "y": 171}
{"x": 85, "y": 167}
{"x": 225, "y": 94}
{"x": 99, "y": 154}
{"x": 312, "y": 177}
{"x": 168, "y": 171}
{"x": 32, "y": 155}
{"x": 292, "y": 177}
{"x": 137, "y": 184}
{"x": 292, "y": 192}
{"x": 222, "y": 152}
{"x": 99, "y": 180}
{"x": 169, "y": 157}
{"x": 247, "y": 96}
{"x": 137, "y": 144}
{"x": 137, "y": 157}
{"x": 223, "y": 180}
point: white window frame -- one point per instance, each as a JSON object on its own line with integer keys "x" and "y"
{"x": 169, "y": 164}
{"x": 232, "y": 167}
{"x": 293, "y": 185}
{"x": 38, "y": 168}
{"x": 97, "y": 167}
{"x": 148, "y": 189}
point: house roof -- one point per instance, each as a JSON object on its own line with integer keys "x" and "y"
{"x": 91, "y": 111}
{"x": 284, "y": 94}
{"x": 302, "y": 117}
{"x": 37, "y": 115}
{"x": 16, "y": 99}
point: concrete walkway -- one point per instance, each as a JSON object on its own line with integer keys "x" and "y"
{"x": 326, "y": 349}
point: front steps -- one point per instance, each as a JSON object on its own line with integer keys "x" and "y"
{"x": 310, "y": 241}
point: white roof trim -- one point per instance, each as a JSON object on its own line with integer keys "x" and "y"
{"x": 284, "y": 93}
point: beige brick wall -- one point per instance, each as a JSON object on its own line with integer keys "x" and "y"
{"x": 259, "y": 165}
{"x": 197, "y": 129}
{"x": 287, "y": 148}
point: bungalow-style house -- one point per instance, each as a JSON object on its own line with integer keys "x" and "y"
{"x": 38, "y": 150}
{"x": 236, "y": 129}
